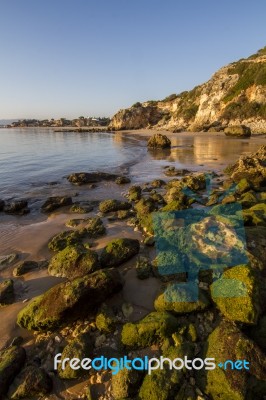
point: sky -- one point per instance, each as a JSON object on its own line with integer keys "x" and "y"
{"x": 67, "y": 58}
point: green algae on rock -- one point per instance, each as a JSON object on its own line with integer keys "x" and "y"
{"x": 118, "y": 251}
{"x": 11, "y": 362}
{"x": 24, "y": 267}
{"x": 159, "y": 141}
{"x": 152, "y": 329}
{"x": 227, "y": 342}
{"x": 125, "y": 384}
{"x": 32, "y": 382}
{"x": 66, "y": 238}
{"x": 73, "y": 262}
{"x": 6, "y": 292}
{"x": 236, "y": 294}
{"x": 81, "y": 347}
{"x": 69, "y": 300}
{"x": 134, "y": 193}
{"x": 113, "y": 205}
{"x": 178, "y": 298}
{"x": 105, "y": 319}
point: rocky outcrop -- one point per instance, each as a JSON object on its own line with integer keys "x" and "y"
{"x": 52, "y": 203}
{"x": 83, "y": 178}
{"x": 235, "y": 95}
{"x": 237, "y": 131}
{"x": 159, "y": 141}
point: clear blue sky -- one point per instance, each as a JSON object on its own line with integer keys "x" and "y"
{"x": 62, "y": 58}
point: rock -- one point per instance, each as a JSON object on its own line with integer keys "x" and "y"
{"x": 17, "y": 341}
{"x": 2, "y": 204}
{"x": 105, "y": 319}
{"x": 82, "y": 178}
{"x": 251, "y": 167}
{"x": 6, "y": 292}
{"x": 149, "y": 241}
{"x": 66, "y": 238}
{"x": 248, "y": 199}
{"x": 24, "y": 267}
{"x": 227, "y": 342}
{"x": 80, "y": 208}
{"x": 134, "y": 193}
{"x": 122, "y": 180}
{"x": 256, "y": 241}
{"x": 113, "y": 205}
{"x": 11, "y": 362}
{"x": 81, "y": 347}
{"x": 125, "y": 384}
{"x": 145, "y": 206}
{"x": 194, "y": 182}
{"x": 124, "y": 214}
{"x": 236, "y": 294}
{"x": 159, "y": 141}
{"x": 53, "y": 203}
{"x": 158, "y": 183}
{"x": 143, "y": 268}
{"x": 258, "y": 333}
{"x": 172, "y": 171}
{"x": 237, "y": 131}
{"x": 179, "y": 299}
{"x": 118, "y": 251}
{"x": 152, "y": 329}
{"x": 18, "y": 207}
{"x": 7, "y": 260}
{"x": 255, "y": 215}
{"x": 174, "y": 205}
{"x": 31, "y": 382}
{"x": 69, "y": 300}
{"x": 127, "y": 310}
{"x": 73, "y": 262}
{"x": 243, "y": 186}
{"x": 92, "y": 227}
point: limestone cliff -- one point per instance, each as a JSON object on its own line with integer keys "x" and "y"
{"x": 235, "y": 94}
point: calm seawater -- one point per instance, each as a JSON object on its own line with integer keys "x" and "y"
{"x": 32, "y": 158}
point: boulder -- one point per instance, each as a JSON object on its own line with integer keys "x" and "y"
{"x": 122, "y": 180}
{"x": 105, "y": 319}
{"x": 177, "y": 298}
{"x": 11, "y": 362}
{"x": 118, "y": 251}
{"x": 113, "y": 205}
{"x": 236, "y": 294}
{"x": 7, "y": 260}
{"x": 6, "y": 292}
{"x": 82, "y": 178}
{"x": 227, "y": 342}
{"x": 66, "y": 238}
{"x": 134, "y": 193}
{"x": 18, "y": 207}
{"x": 159, "y": 141}
{"x": 73, "y": 262}
{"x": 31, "y": 382}
{"x": 69, "y": 300}
{"x": 255, "y": 215}
{"x": 152, "y": 329}
{"x": 92, "y": 227}
{"x": 237, "y": 131}
{"x": 81, "y": 347}
{"x": 53, "y": 203}
{"x": 81, "y": 208}
{"x": 125, "y": 384}
{"x": 24, "y": 267}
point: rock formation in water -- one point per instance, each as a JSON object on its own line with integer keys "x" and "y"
{"x": 235, "y": 94}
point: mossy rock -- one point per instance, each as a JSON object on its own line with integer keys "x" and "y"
{"x": 181, "y": 298}
{"x": 176, "y": 194}
{"x": 152, "y": 329}
{"x": 159, "y": 141}
{"x": 236, "y": 294}
{"x": 145, "y": 222}
{"x": 113, "y": 205}
{"x": 237, "y": 131}
{"x": 105, "y": 319}
{"x": 73, "y": 262}
{"x": 227, "y": 342}
{"x": 69, "y": 301}
{"x": 194, "y": 182}
{"x": 248, "y": 199}
{"x": 94, "y": 227}
{"x": 24, "y": 267}
{"x": 243, "y": 186}
{"x": 6, "y": 292}
{"x": 66, "y": 238}
{"x": 122, "y": 180}
{"x": 145, "y": 206}
{"x": 118, "y": 251}
{"x": 53, "y": 203}
{"x": 11, "y": 362}
{"x": 134, "y": 193}
{"x": 32, "y": 382}
{"x": 163, "y": 384}
{"x": 81, "y": 347}
{"x": 256, "y": 215}
{"x": 125, "y": 384}
{"x": 143, "y": 268}
{"x": 81, "y": 209}
{"x": 174, "y": 205}
{"x": 158, "y": 183}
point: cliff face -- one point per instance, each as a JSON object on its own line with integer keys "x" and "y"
{"x": 236, "y": 94}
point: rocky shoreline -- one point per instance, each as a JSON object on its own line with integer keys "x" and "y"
{"x": 123, "y": 264}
